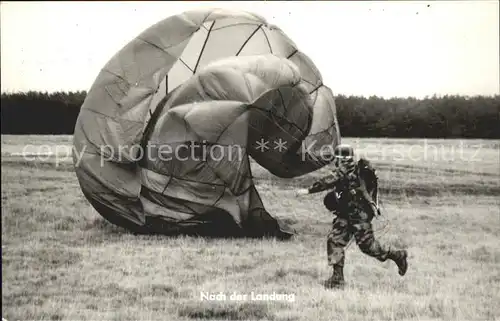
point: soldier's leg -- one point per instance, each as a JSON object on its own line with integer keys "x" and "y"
{"x": 337, "y": 240}
{"x": 363, "y": 233}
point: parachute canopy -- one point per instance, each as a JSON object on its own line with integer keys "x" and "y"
{"x": 163, "y": 139}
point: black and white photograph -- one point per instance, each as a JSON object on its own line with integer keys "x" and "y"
{"x": 250, "y": 160}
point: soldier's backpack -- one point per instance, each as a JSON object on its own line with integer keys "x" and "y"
{"x": 368, "y": 184}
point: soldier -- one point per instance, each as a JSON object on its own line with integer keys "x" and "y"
{"x": 353, "y": 199}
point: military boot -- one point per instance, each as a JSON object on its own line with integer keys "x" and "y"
{"x": 336, "y": 281}
{"x": 400, "y": 258}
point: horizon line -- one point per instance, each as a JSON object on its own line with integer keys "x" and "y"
{"x": 435, "y": 95}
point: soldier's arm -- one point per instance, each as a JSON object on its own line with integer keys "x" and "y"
{"x": 324, "y": 183}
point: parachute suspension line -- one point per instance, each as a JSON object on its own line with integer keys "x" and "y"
{"x": 203, "y": 48}
{"x": 387, "y": 225}
{"x": 248, "y": 39}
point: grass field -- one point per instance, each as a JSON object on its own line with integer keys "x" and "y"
{"x": 62, "y": 261}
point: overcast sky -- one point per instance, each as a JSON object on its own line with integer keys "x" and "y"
{"x": 363, "y": 48}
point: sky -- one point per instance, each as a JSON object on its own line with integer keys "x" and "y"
{"x": 388, "y": 49}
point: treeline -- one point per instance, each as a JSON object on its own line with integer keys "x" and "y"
{"x": 432, "y": 117}
{"x": 40, "y": 113}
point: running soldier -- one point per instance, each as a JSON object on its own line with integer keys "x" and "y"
{"x": 353, "y": 200}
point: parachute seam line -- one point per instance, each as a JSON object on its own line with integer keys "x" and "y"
{"x": 307, "y": 81}
{"x": 190, "y": 208}
{"x": 260, "y": 199}
{"x": 212, "y": 169}
{"x": 194, "y": 211}
{"x": 208, "y": 143}
{"x": 254, "y": 15}
{"x": 116, "y": 75}
{"x": 156, "y": 47}
{"x": 187, "y": 18}
{"x": 245, "y": 190}
{"x": 185, "y": 64}
{"x": 147, "y": 189}
{"x": 111, "y": 117}
{"x": 292, "y": 54}
{"x": 236, "y": 24}
{"x": 187, "y": 125}
{"x": 203, "y": 47}
{"x": 276, "y": 124}
{"x": 278, "y": 117}
{"x": 198, "y": 182}
{"x": 173, "y": 199}
{"x": 282, "y": 101}
{"x": 180, "y": 178}
{"x": 207, "y": 16}
{"x": 267, "y": 40}
{"x": 282, "y": 116}
{"x": 316, "y": 96}
{"x": 206, "y": 162}
{"x": 323, "y": 130}
{"x": 315, "y": 89}
{"x": 267, "y": 113}
{"x": 203, "y": 26}
{"x": 112, "y": 98}
{"x": 205, "y": 91}
{"x": 166, "y": 185}
{"x": 218, "y": 137}
{"x": 227, "y": 127}
{"x": 247, "y": 83}
{"x": 91, "y": 153}
{"x": 97, "y": 179}
{"x": 90, "y": 141}
{"x": 252, "y": 106}
{"x": 248, "y": 39}
{"x": 220, "y": 197}
{"x": 117, "y": 85}
{"x": 178, "y": 43}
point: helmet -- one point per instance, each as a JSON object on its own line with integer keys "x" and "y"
{"x": 344, "y": 152}
{"x": 343, "y": 155}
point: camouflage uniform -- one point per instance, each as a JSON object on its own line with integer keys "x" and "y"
{"x": 352, "y": 220}
{"x": 353, "y": 201}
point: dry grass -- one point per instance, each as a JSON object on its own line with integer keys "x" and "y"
{"x": 62, "y": 261}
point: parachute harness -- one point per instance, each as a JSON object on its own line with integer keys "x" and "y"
{"x": 385, "y": 228}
